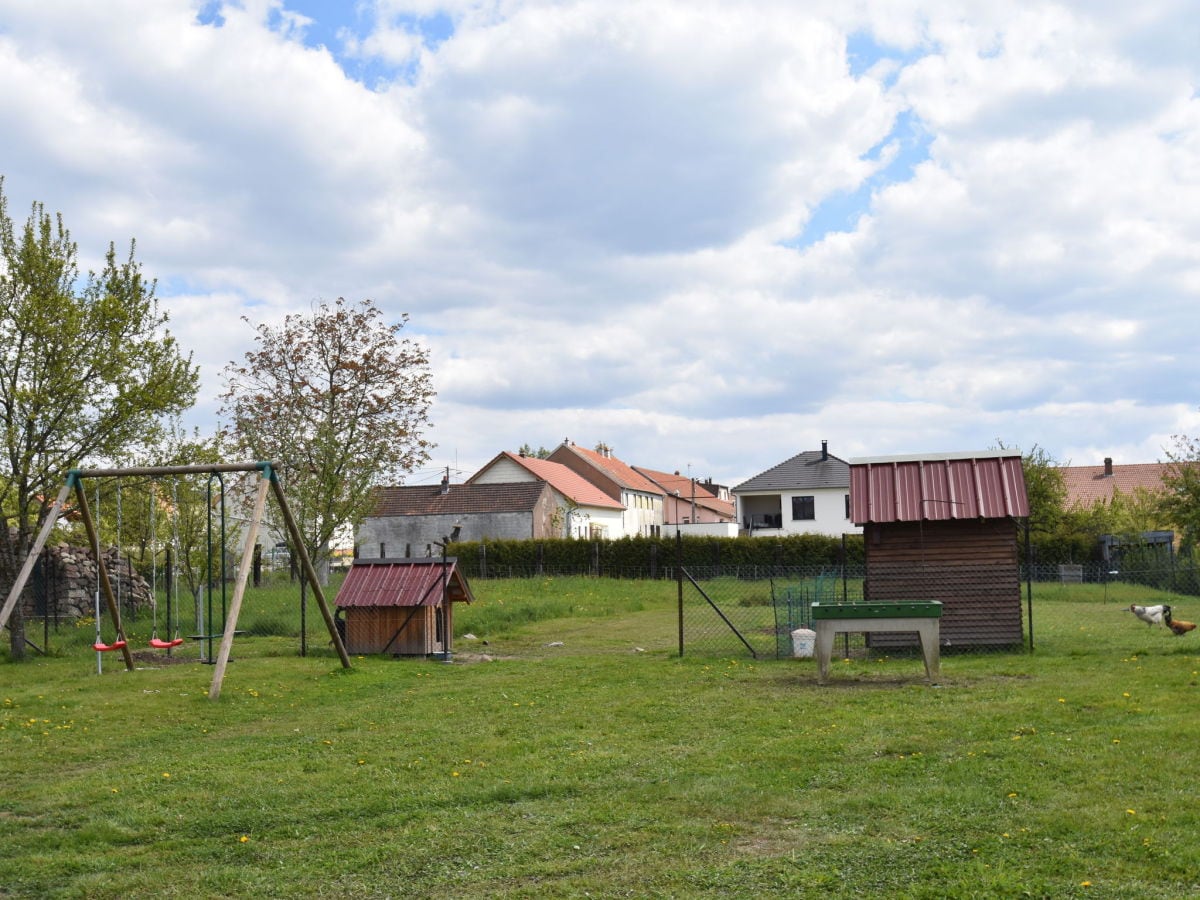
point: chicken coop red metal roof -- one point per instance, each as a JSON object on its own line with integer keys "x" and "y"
{"x": 403, "y": 582}
{"x": 934, "y": 487}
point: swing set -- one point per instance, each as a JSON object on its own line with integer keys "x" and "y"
{"x": 172, "y": 577}
{"x": 268, "y": 481}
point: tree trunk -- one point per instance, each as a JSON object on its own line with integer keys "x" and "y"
{"x": 16, "y": 630}
{"x": 9, "y": 567}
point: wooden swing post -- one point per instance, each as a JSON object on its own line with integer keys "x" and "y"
{"x": 266, "y": 470}
{"x": 110, "y": 599}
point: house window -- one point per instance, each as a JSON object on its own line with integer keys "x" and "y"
{"x": 847, "y": 506}
{"x": 804, "y": 508}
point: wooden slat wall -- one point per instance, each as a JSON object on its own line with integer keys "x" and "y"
{"x": 369, "y": 628}
{"x": 970, "y": 566}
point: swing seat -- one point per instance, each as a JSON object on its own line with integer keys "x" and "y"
{"x": 160, "y": 644}
{"x": 101, "y": 647}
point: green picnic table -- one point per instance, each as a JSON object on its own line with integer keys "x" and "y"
{"x": 921, "y": 616}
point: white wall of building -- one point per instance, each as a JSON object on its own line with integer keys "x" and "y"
{"x": 701, "y": 529}
{"x": 829, "y": 506}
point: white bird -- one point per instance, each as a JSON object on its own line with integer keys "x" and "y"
{"x": 1151, "y": 615}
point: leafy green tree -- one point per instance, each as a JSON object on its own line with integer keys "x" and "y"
{"x": 539, "y": 453}
{"x": 1181, "y": 500}
{"x": 1056, "y": 534}
{"x": 340, "y": 402}
{"x": 1045, "y": 488}
{"x": 154, "y": 513}
{"x": 87, "y": 371}
{"x": 1137, "y": 512}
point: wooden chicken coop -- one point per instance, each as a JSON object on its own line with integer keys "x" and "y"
{"x": 404, "y": 607}
{"x": 944, "y": 527}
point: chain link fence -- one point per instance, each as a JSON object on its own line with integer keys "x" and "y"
{"x": 725, "y": 611}
{"x": 278, "y": 605}
{"x": 759, "y": 614}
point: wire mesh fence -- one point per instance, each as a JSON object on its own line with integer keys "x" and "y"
{"x": 280, "y": 605}
{"x": 982, "y": 608}
{"x": 723, "y": 611}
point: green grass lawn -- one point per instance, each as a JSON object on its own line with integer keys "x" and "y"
{"x": 575, "y": 754}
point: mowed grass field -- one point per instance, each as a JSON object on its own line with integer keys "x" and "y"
{"x": 576, "y": 754}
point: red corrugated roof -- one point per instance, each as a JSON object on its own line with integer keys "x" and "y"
{"x": 402, "y": 582}
{"x": 983, "y": 485}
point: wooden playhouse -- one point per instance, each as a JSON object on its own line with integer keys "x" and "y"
{"x": 404, "y": 607}
{"x": 945, "y": 527}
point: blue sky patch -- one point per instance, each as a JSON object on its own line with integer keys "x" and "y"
{"x": 842, "y": 210}
{"x": 863, "y": 51}
{"x": 332, "y": 21}
{"x": 210, "y": 14}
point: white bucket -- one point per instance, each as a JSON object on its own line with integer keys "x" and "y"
{"x": 803, "y": 641}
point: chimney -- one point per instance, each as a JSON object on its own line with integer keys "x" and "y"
{"x": 1108, "y": 467}
{"x": 446, "y": 481}
{"x": 824, "y": 450}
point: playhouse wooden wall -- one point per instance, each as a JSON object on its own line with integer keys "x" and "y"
{"x": 970, "y": 566}
{"x": 398, "y": 630}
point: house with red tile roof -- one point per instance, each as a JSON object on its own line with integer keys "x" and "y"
{"x": 687, "y": 501}
{"x": 1089, "y": 485}
{"x": 583, "y": 509}
{"x": 641, "y": 498}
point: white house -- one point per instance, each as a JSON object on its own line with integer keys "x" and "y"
{"x": 807, "y": 494}
{"x": 641, "y": 498}
{"x": 584, "y": 511}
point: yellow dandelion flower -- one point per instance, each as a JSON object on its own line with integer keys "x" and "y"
{"x": 1132, "y": 812}
{"x": 244, "y": 838}
{"x": 166, "y": 774}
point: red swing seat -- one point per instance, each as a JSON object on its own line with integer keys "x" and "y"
{"x": 101, "y": 647}
{"x": 159, "y": 644}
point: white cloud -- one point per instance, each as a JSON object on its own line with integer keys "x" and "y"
{"x": 586, "y": 208}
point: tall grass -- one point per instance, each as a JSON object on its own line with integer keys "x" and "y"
{"x": 586, "y": 759}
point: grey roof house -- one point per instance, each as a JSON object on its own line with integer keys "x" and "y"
{"x": 409, "y": 521}
{"x": 809, "y": 493}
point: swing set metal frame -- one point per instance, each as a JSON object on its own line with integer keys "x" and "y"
{"x": 268, "y": 481}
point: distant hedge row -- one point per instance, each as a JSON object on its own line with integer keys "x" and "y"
{"x": 652, "y": 557}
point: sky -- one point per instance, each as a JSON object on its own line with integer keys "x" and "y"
{"x": 710, "y": 235}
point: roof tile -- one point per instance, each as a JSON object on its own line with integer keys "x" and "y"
{"x": 571, "y": 485}
{"x": 425, "y": 500}
{"x": 1087, "y": 485}
{"x": 620, "y": 472}
{"x": 807, "y": 470}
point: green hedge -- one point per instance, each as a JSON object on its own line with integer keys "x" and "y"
{"x": 652, "y": 557}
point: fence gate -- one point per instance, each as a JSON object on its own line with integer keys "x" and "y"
{"x": 726, "y": 615}
{"x": 752, "y": 612}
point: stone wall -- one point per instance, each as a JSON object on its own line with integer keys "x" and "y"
{"x": 63, "y": 584}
